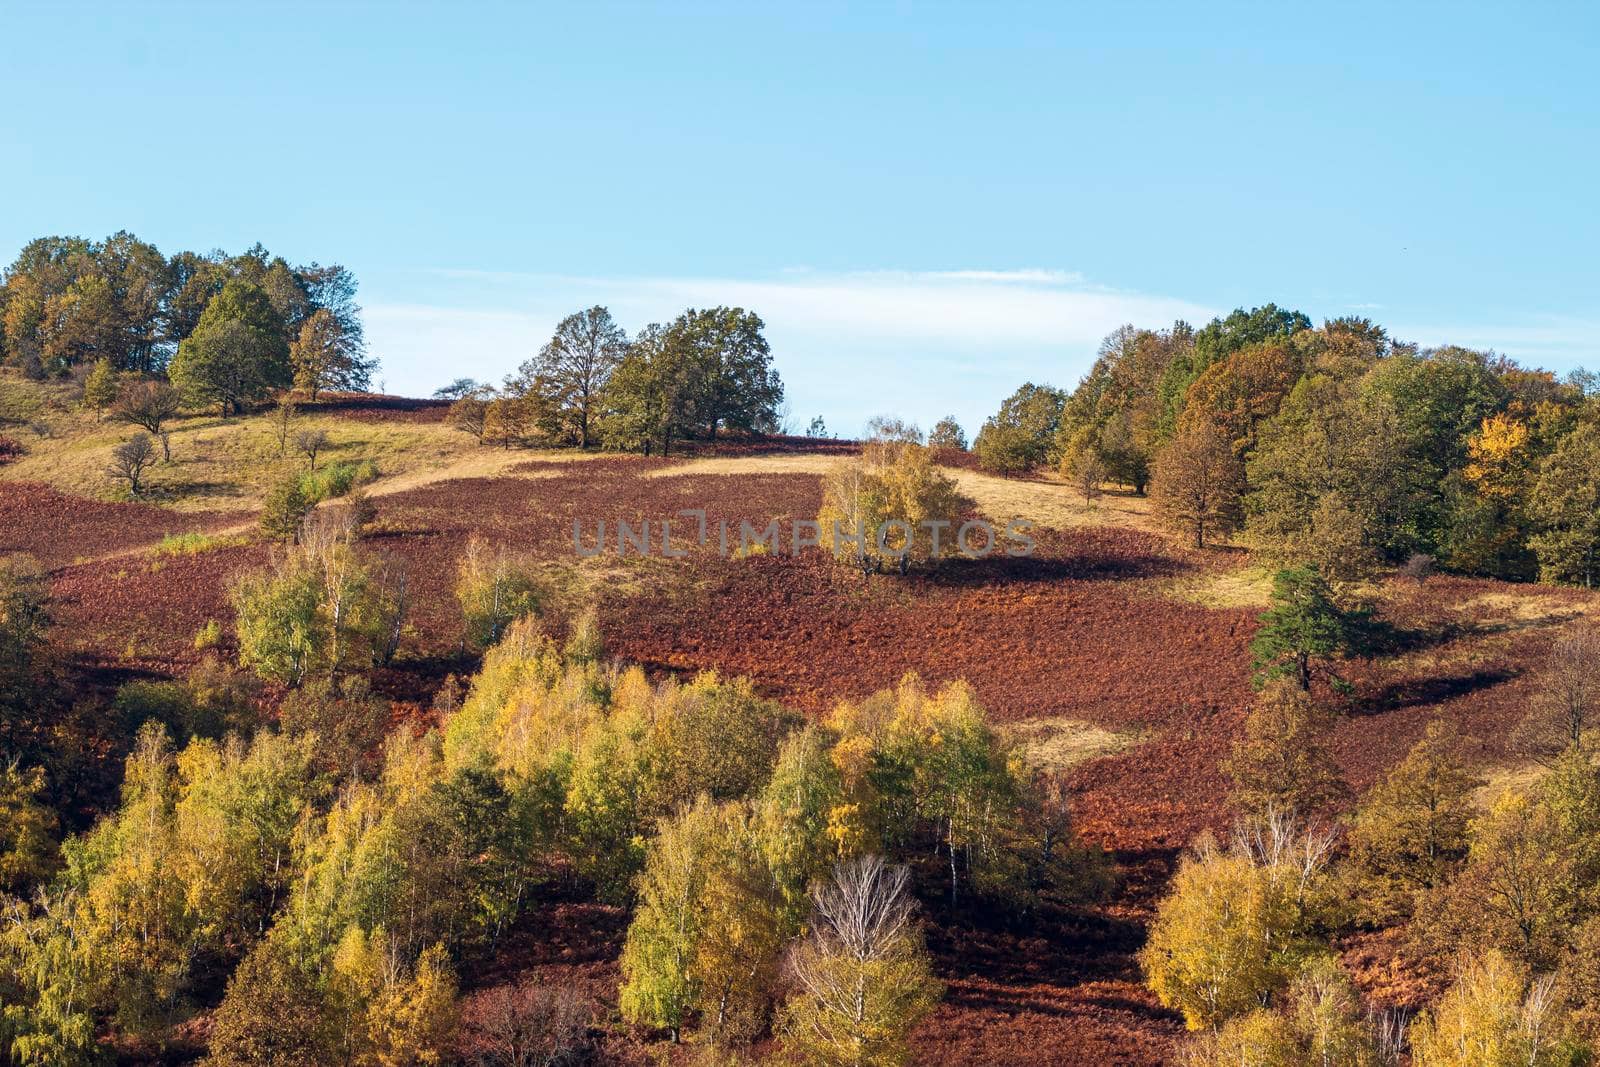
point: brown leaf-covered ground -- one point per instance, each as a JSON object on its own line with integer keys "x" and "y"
{"x": 1085, "y": 631}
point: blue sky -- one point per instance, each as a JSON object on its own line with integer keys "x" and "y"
{"x": 929, "y": 204}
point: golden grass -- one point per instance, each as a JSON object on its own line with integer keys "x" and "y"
{"x": 1049, "y": 503}
{"x": 229, "y": 464}
{"x": 1502, "y": 781}
{"x": 1243, "y": 587}
{"x": 801, "y": 463}
{"x": 1058, "y": 745}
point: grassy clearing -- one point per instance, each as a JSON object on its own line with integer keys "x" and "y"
{"x": 1500, "y": 781}
{"x": 192, "y": 544}
{"x": 1243, "y": 587}
{"x": 1058, "y": 745}
{"x": 1049, "y": 502}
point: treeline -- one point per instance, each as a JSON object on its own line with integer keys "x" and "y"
{"x": 705, "y": 372}
{"x": 227, "y": 329}
{"x": 318, "y": 883}
{"x": 1334, "y": 445}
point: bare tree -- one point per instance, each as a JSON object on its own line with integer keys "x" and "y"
{"x": 130, "y": 459}
{"x": 863, "y": 974}
{"x": 149, "y": 406}
{"x": 311, "y": 442}
{"x": 525, "y": 1025}
{"x": 283, "y": 421}
{"x": 1568, "y": 701}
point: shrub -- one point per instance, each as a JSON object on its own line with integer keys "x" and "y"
{"x": 337, "y": 479}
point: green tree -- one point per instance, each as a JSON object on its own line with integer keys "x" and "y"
{"x": 238, "y": 352}
{"x": 1021, "y": 435}
{"x": 1565, "y": 505}
{"x": 100, "y": 387}
{"x": 574, "y": 367}
{"x": 1305, "y": 630}
{"x": 659, "y": 986}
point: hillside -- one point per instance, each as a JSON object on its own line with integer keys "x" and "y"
{"x": 1114, "y": 655}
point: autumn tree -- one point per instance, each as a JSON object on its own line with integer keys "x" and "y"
{"x": 573, "y": 367}
{"x": 1567, "y": 703}
{"x": 1197, "y": 483}
{"x": 27, "y": 828}
{"x": 470, "y": 413}
{"x": 273, "y": 1013}
{"x": 1411, "y": 831}
{"x": 1320, "y": 1022}
{"x": 1304, "y": 631}
{"x": 890, "y": 504}
{"x": 862, "y": 976}
{"x": 131, "y": 459}
{"x": 1214, "y": 343}
{"x": 1281, "y": 761}
{"x": 324, "y": 355}
{"x": 149, "y": 405}
{"x": 1493, "y": 1016}
{"x": 946, "y": 433}
{"x": 1233, "y": 930}
{"x": 1489, "y": 523}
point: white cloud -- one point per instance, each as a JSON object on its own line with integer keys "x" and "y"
{"x": 850, "y": 344}
{"x": 923, "y": 343}
{"x": 1556, "y": 342}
